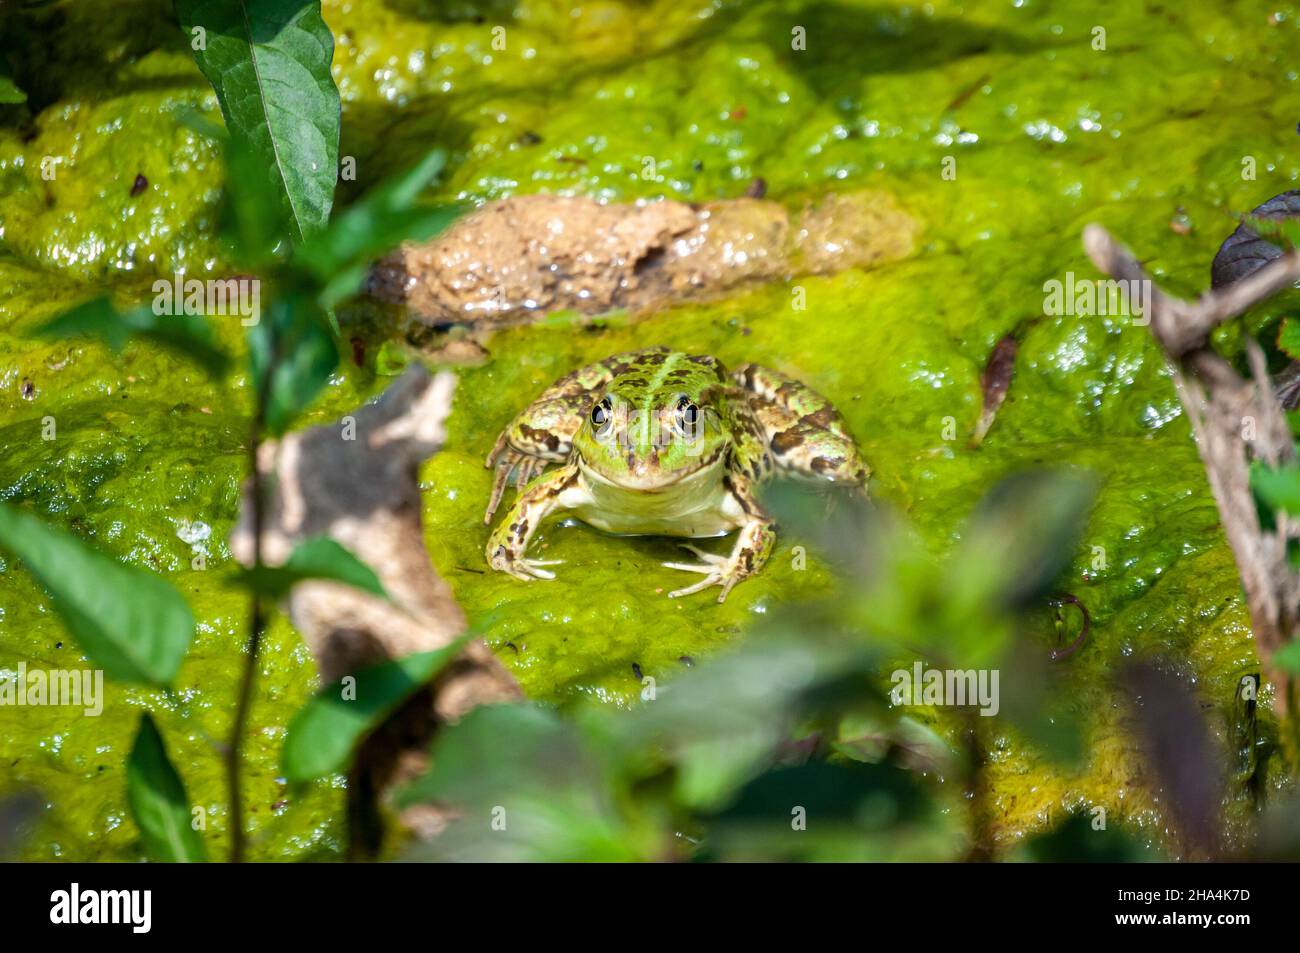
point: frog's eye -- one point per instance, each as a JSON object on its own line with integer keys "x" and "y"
{"x": 688, "y": 415}
{"x": 601, "y": 413}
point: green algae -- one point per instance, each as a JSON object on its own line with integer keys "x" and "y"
{"x": 1047, "y": 134}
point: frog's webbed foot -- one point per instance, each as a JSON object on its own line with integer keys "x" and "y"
{"x": 508, "y": 460}
{"x": 523, "y": 568}
{"x": 508, "y": 543}
{"x": 753, "y": 546}
{"x": 717, "y": 571}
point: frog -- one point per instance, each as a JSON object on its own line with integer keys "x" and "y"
{"x": 665, "y": 443}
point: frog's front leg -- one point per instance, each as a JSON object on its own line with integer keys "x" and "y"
{"x": 559, "y": 489}
{"x": 524, "y": 452}
{"x": 753, "y": 544}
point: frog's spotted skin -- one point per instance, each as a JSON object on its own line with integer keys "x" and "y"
{"x": 664, "y": 443}
{"x": 804, "y": 432}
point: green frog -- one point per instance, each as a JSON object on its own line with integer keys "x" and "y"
{"x": 658, "y": 442}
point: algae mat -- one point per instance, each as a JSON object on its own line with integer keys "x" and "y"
{"x": 1045, "y": 133}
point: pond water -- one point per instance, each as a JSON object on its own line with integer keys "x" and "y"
{"x": 1001, "y": 128}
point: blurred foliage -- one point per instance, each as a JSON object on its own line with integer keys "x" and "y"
{"x": 276, "y": 223}
{"x": 100, "y": 319}
{"x": 790, "y": 747}
{"x": 326, "y": 731}
{"x": 319, "y": 557}
{"x": 1080, "y": 839}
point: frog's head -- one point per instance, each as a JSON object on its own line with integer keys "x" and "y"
{"x": 649, "y": 429}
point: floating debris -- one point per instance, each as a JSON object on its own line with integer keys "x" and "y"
{"x": 995, "y": 381}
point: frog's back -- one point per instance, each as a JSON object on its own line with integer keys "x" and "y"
{"x": 643, "y": 377}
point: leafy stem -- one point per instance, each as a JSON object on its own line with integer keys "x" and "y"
{"x": 256, "y": 625}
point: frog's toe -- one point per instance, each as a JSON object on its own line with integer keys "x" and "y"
{"x": 533, "y": 568}
{"x": 691, "y": 567}
{"x": 711, "y": 562}
{"x": 504, "y": 560}
{"x": 714, "y": 578}
{"x": 726, "y": 579}
{"x": 727, "y": 585}
{"x": 722, "y": 571}
{"x": 498, "y": 488}
{"x": 526, "y": 573}
{"x": 717, "y": 571}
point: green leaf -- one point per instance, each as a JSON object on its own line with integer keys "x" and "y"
{"x": 542, "y": 775}
{"x": 415, "y": 224}
{"x": 378, "y": 222}
{"x": 325, "y": 731}
{"x": 1278, "y": 837}
{"x": 1076, "y": 841}
{"x": 199, "y": 123}
{"x": 872, "y": 739}
{"x": 721, "y": 723}
{"x": 317, "y": 558}
{"x": 292, "y": 355}
{"x": 9, "y": 93}
{"x": 269, "y": 62}
{"x": 186, "y": 335}
{"x": 841, "y": 525}
{"x": 129, "y": 622}
{"x": 1288, "y": 337}
{"x": 1275, "y": 489}
{"x": 848, "y": 812}
{"x": 489, "y": 750}
{"x": 158, "y": 801}
{"x": 1287, "y": 659}
{"x": 254, "y": 218}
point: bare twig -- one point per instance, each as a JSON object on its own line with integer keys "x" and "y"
{"x": 1181, "y": 326}
{"x": 1235, "y": 420}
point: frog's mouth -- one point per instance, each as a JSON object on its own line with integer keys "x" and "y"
{"x": 649, "y": 478}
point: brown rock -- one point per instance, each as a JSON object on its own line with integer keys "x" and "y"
{"x": 856, "y": 230}
{"x": 522, "y": 257}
